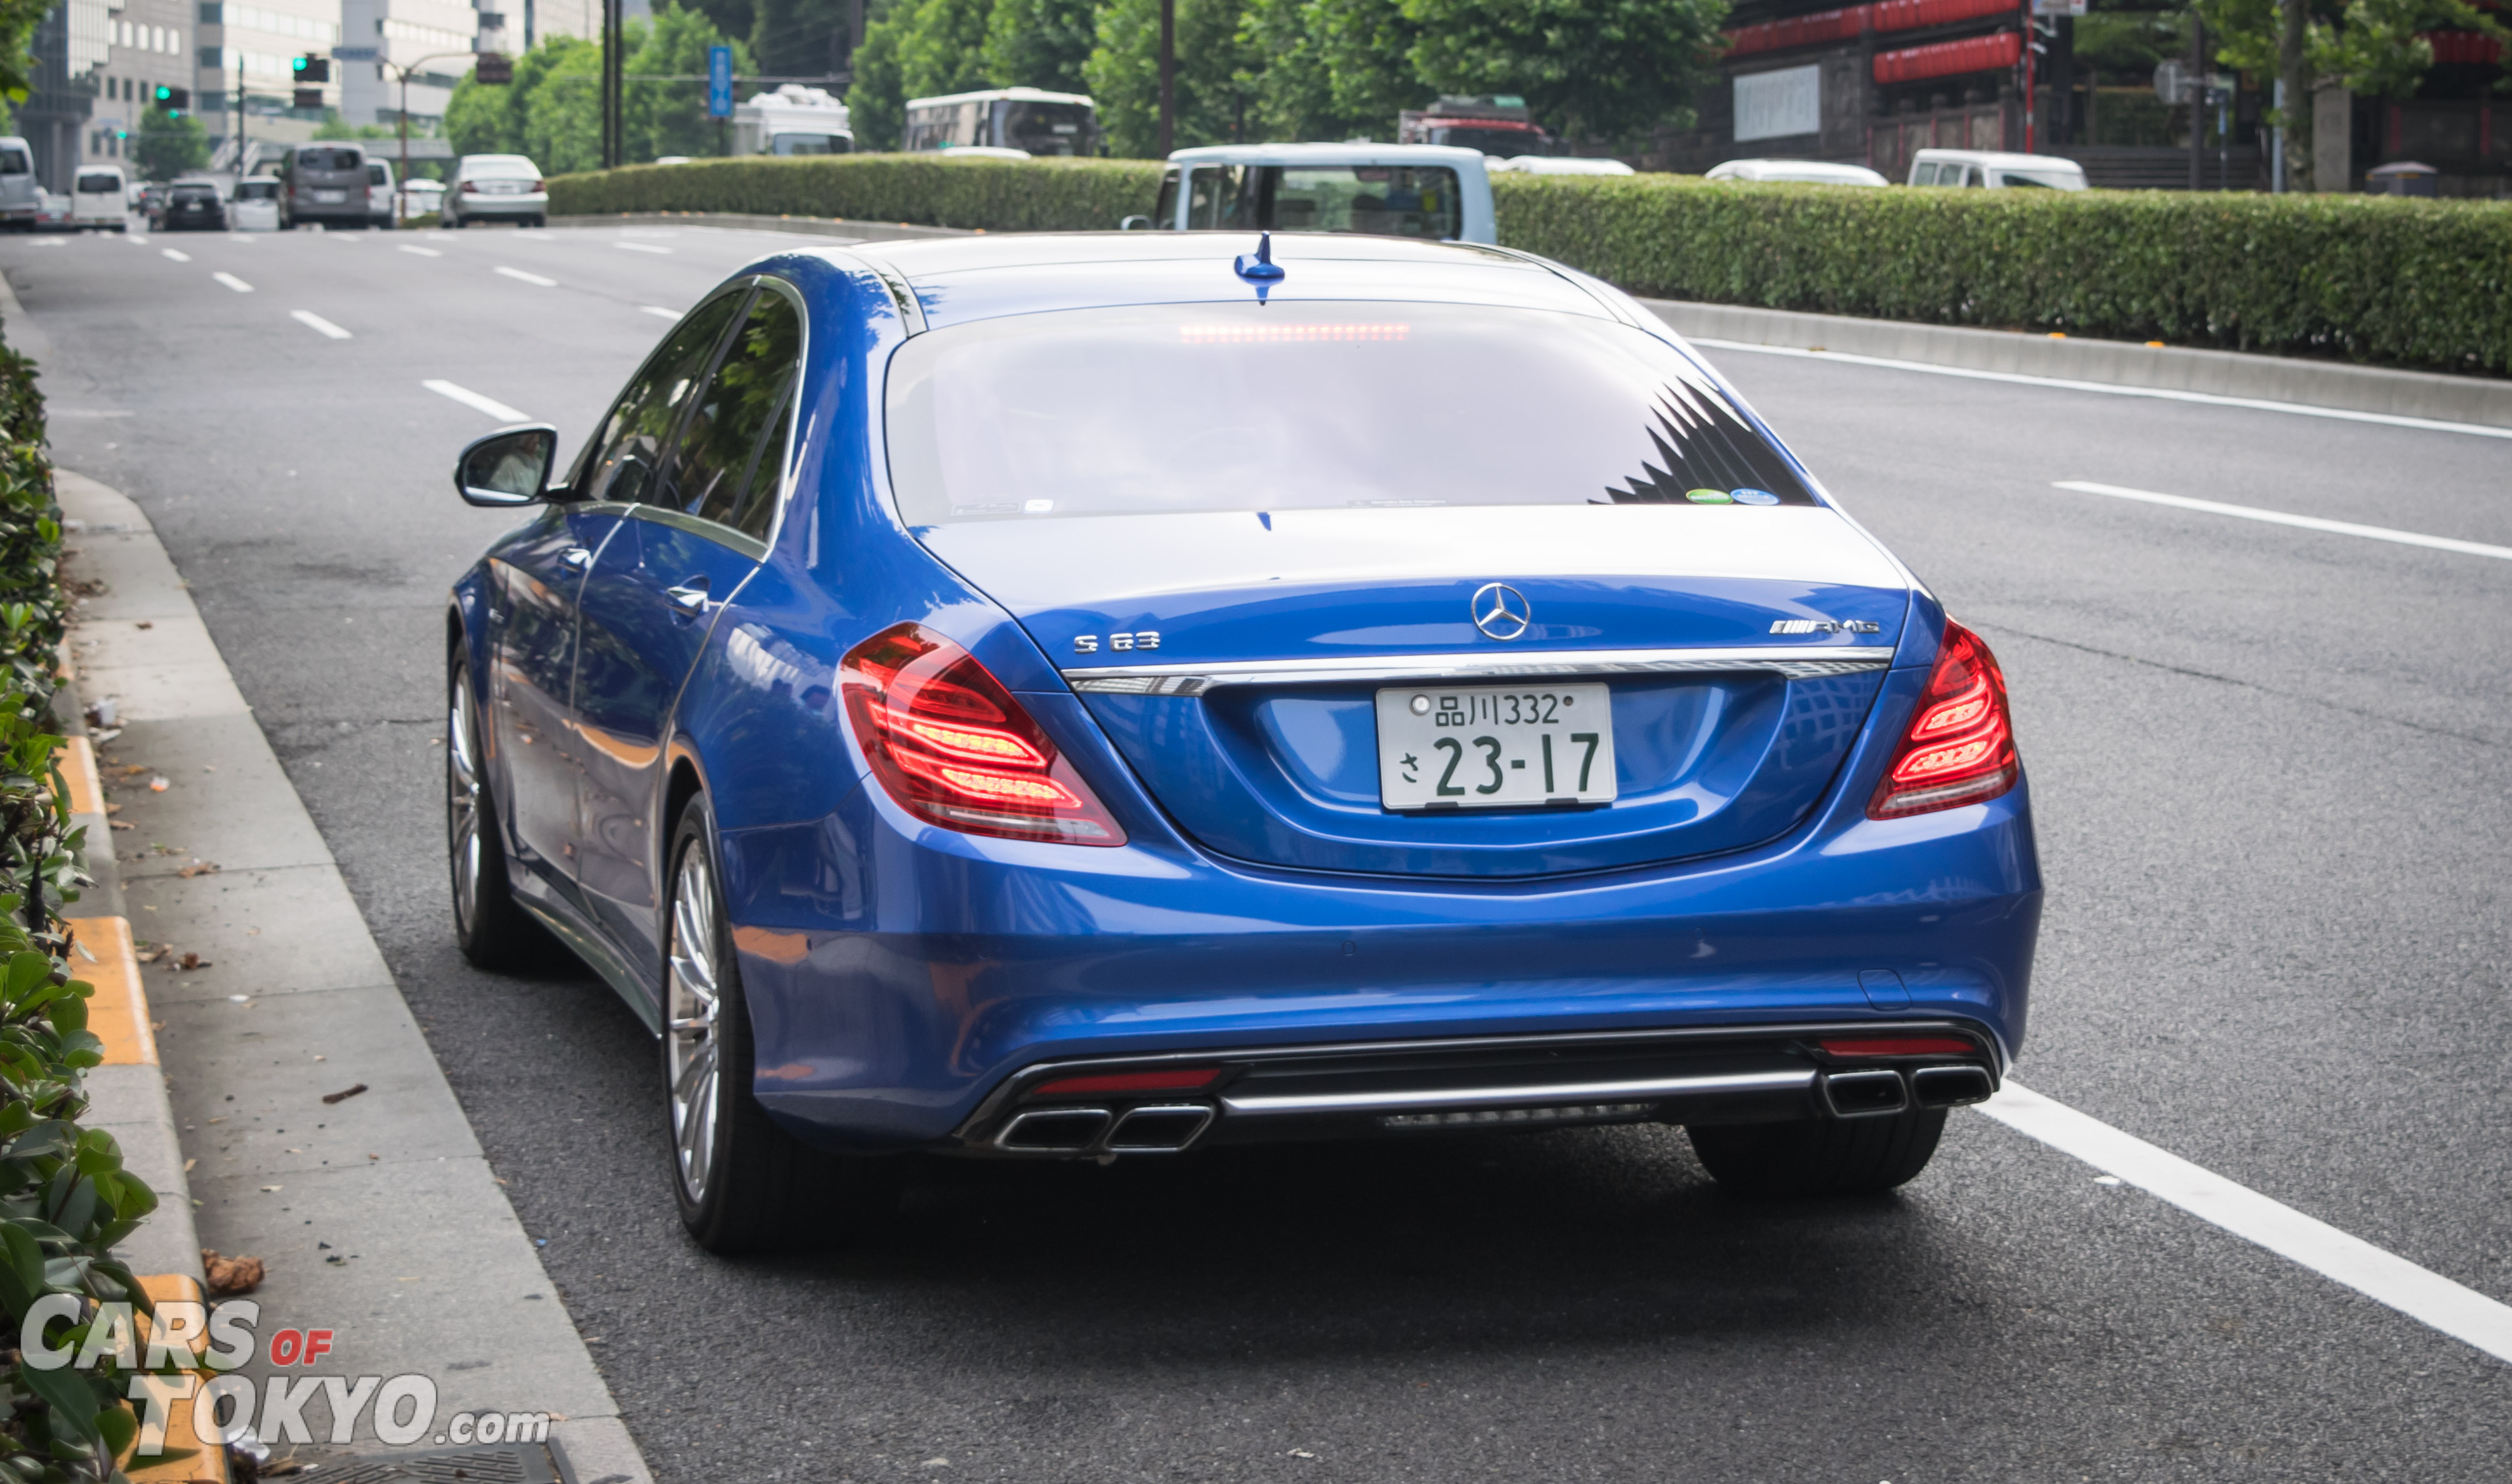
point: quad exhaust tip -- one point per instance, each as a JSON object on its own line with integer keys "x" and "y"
{"x": 1880, "y": 1091}
{"x": 1159, "y": 1129}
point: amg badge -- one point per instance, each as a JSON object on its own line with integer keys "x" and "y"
{"x": 1823, "y": 626}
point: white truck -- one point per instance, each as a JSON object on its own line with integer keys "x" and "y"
{"x": 793, "y": 120}
{"x": 1390, "y": 190}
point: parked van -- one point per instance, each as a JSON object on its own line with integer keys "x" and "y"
{"x": 22, "y": 197}
{"x": 1994, "y": 170}
{"x": 1434, "y": 191}
{"x": 327, "y": 183}
{"x": 97, "y": 198}
{"x": 379, "y": 194}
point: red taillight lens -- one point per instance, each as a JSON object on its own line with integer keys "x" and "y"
{"x": 1178, "y": 1079}
{"x": 953, "y": 747}
{"x": 1960, "y": 748}
{"x": 470, "y": 187}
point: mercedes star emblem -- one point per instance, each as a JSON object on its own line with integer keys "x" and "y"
{"x": 1501, "y": 612}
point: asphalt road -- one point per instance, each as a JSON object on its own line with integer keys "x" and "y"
{"x": 2271, "y": 771}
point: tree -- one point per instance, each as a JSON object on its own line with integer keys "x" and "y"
{"x": 1215, "y": 75}
{"x": 169, "y": 143}
{"x": 944, "y": 48}
{"x": 2371, "y": 47}
{"x": 552, "y": 111}
{"x": 1600, "y": 69}
{"x": 1331, "y": 69}
{"x": 799, "y": 38}
{"x": 877, "y": 99}
{"x": 1041, "y": 44}
{"x": 671, "y": 118}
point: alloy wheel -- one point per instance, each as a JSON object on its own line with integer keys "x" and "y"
{"x": 462, "y": 798}
{"x": 690, "y": 1029}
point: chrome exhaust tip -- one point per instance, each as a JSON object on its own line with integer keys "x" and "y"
{"x": 1950, "y": 1087}
{"x": 1052, "y": 1131}
{"x": 1863, "y": 1094}
{"x": 1162, "y": 1130}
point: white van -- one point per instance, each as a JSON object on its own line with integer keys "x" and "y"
{"x": 97, "y": 201}
{"x": 1436, "y": 191}
{"x": 379, "y": 194}
{"x": 1996, "y": 170}
{"x": 22, "y": 196}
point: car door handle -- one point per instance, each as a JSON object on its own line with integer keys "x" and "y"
{"x": 577, "y": 557}
{"x": 689, "y": 599}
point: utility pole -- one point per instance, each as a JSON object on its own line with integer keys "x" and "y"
{"x": 2293, "y": 102}
{"x": 1168, "y": 77}
{"x": 2197, "y": 102}
{"x": 401, "y": 187}
{"x": 614, "y": 133}
{"x": 240, "y": 145}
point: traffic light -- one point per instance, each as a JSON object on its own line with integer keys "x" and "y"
{"x": 172, "y": 100}
{"x": 313, "y": 69}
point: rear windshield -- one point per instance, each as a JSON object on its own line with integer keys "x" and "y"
{"x": 195, "y": 193}
{"x": 2046, "y": 179}
{"x": 330, "y": 158}
{"x": 1247, "y": 407}
{"x": 1382, "y": 200}
{"x": 500, "y": 169}
{"x": 257, "y": 190}
{"x": 1048, "y": 129}
{"x": 13, "y": 162}
{"x": 97, "y": 183}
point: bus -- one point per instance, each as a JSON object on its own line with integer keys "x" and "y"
{"x": 1024, "y": 119}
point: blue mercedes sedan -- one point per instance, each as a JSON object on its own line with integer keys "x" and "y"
{"x": 1097, "y": 697}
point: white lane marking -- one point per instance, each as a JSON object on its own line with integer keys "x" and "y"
{"x": 233, "y": 282}
{"x": 536, "y": 236}
{"x": 181, "y": 258}
{"x": 2209, "y": 399}
{"x": 421, "y": 252}
{"x": 471, "y": 399}
{"x": 669, "y": 314}
{"x": 316, "y": 323}
{"x": 529, "y": 278}
{"x": 49, "y": 242}
{"x": 2384, "y": 1278}
{"x": 641, "y": 247}
{"x": 2280, "y": 518}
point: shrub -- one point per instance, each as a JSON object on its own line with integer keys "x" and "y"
{"x": 64, "y": 1198}
{"x": 924, "y": 190}
{"x": 2411, "y": 283}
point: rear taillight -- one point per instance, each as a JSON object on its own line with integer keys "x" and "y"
{"x": 470, "y": 187}
{"x": 953, "y": 747}
{"x": 1960, "y": 745}
{"x": 537, "y": 188}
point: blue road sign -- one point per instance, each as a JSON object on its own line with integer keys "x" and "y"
{"x": 719, "y": 82}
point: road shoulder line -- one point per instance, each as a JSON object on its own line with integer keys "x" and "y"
{"x": 375, "y": 1211}
{"x": 2383, "y": 1277}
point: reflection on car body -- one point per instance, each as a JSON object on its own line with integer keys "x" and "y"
{"x": 795, "y": 709}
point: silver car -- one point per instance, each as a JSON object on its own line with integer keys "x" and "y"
{"x": 497, "y": 188}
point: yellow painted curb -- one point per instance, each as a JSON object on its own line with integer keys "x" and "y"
{"x": 78, "y": 770}
{"x": 118, "y": 1012}
{"x": 186, "y": 1460}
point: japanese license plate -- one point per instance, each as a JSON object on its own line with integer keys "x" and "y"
{"x": 330, "y": 198}
{"x": 1494, "y": 747}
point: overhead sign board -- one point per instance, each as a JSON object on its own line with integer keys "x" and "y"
{"x": 1774, "y": 105}
{"x": 357, "y": 53}
{"x": 2058, "y": 7}
{"x": 719, "y": 82}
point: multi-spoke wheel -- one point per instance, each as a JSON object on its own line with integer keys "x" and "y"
{"x": 491, "y": 929}
{"x": 744, "y": 1183}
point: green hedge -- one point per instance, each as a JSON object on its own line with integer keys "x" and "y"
{"x": 919, "y": 191}
{"x": 65, "y": 1196}
{"x": 2410, "y": 283}
{"x": 2405, "y": 283}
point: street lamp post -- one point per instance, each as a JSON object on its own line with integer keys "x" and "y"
{"x": 401, "y": 186}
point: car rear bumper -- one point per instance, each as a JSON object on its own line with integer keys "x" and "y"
{"x": 897, "y": 982}
{"x": 499, "y": 206}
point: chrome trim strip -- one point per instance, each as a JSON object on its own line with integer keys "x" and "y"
{"x": 1796, "y": 1079}
{"x": 902, "y": 293}
{"x": 1794, "y": 662}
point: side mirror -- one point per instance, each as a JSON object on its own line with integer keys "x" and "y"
{"x": 1134, "y": 224}
{"x": 508, "y": 467}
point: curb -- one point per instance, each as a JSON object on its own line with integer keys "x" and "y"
{"x": 813, "y": 227}
{"x": 406, "y": 1183}
{"x": 2228, "y": 374}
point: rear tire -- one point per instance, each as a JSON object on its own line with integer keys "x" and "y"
{"x": 743, "y": 1185}
{"x": 1819, "y": 1157}
{"x": 491, "y": 929}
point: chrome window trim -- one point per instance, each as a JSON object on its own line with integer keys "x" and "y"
{"x": 1795, "y": 663}
{"x": 721, "y": 536}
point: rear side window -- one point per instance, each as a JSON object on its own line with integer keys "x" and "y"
{"x": 626, "y": 454}
{"x": 736, "y": 443}
{"x": 1247, "y": 407}
{"x": 376, "y": 172}
{"x": 13, "y": 162}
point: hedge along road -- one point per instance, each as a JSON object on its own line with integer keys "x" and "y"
{"x": 2271, "y": 769}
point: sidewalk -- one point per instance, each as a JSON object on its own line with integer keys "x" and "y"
{"x": 378, "y": 1215}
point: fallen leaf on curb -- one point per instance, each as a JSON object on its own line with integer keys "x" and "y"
{"x": 115, "y": 808}
{"x": 198, "y": 868}
{"x": 119, "y": 825}
{"x": 134, "y": 770}
{"x": 272, "y": 1190}
{"x": 344, "y": 1095}
{"x": 188, "y": 1165}
{"x": 193, "y": 962}
{"x": 230, "y": 1275}
{"x": 147, "y": 624}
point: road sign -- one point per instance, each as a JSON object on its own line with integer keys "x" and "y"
{"x": 492, "y": 67}
{"x": 2056, "y": 7}
{"x": 357, "y": 53}
{"x": 719, "y": 82}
